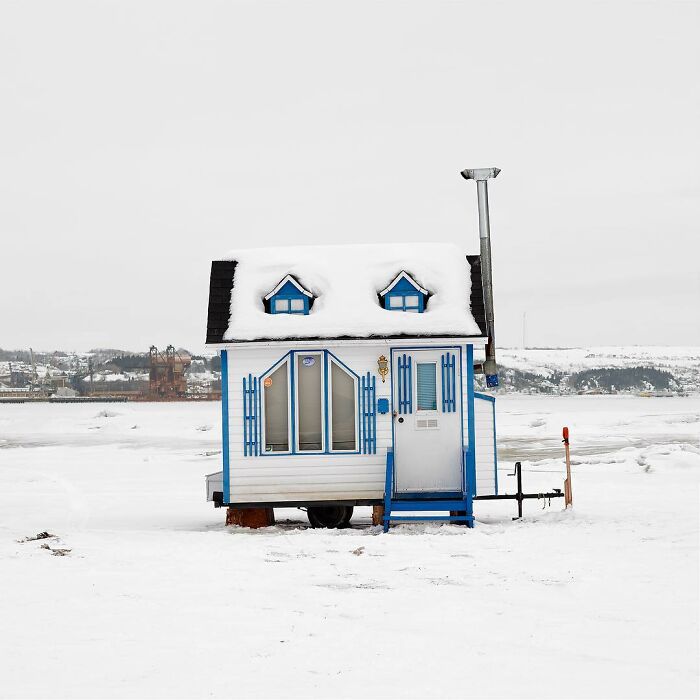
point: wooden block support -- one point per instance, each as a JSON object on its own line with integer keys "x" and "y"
{"x": 377, "y": 515}
{"x": 250, "y": 517}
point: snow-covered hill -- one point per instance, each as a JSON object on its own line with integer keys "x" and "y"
{"x": 557, "y": 365}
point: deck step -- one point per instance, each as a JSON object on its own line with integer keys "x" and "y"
{"x": 430, "y": 518}
{"x": 428, "y": 504}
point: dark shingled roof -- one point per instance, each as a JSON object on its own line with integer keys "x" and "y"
{"x": 220, "y": 286}
{"x": 222, "y": 280}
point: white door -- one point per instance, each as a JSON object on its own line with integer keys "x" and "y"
{"x": 427, "y": 421}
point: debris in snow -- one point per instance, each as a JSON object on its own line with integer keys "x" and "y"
{"x": 358, "y": 551}
{"x": 204, "y": 428}
{"x": 106, "y": 414}
{"x": 39, "y": 536}
{"x": 56, "y": 551}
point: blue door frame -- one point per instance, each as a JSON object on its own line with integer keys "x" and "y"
{"x": 469, "y": 462}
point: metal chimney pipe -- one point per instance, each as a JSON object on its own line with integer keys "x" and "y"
{"x": 482, "y": 175}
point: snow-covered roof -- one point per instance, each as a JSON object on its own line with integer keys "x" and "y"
{"x": 345, "y": 281}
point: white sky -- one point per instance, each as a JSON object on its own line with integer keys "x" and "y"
{"x": 140, "y": 140}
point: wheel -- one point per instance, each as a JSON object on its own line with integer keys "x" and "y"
{"x": 329, "y": 516}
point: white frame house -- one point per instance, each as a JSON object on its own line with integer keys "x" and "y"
{"x": 409, "y": 433}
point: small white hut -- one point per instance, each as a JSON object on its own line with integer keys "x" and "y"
{"x": 348, "y": 379}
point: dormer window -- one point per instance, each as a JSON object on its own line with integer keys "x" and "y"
{"x": 404, "y": 294}
{"x": 288, "y": 297}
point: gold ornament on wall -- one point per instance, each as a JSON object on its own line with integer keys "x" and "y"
{"x": 383, "y": 365}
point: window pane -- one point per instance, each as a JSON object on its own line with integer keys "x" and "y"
{"x": 276, "y": 410}
{"x": 343, "y": 409}
{"x": 411, "y": 300}
{"x": 426, "y": 386}
{"x": 395, "y": 302}
{"x": 309, "y": 401}
{"x": 296, "y": 304}
{"x": 281, "y": 305}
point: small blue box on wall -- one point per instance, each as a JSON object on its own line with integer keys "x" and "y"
{"x": 382, "y": 406}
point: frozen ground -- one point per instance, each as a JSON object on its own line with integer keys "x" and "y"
{"x": 157, "y": 599}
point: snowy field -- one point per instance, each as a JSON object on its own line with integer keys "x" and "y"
{"x": 156, "y": 598}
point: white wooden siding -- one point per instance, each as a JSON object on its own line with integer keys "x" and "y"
{"x": 308, "y": 477}
{"x": 484, "y": 427}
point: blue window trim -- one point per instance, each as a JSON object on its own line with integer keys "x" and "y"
{"x": 290, "y": 388}
{"x": 225, "y": 426}
{"x": 403, "y": 307}
{"x": 301, "y": 312}
{"x": 328, "y": 357}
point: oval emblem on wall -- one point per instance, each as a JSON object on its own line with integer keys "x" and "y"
{"x": 308, "y": 361}
{"x": 268, "y": 382}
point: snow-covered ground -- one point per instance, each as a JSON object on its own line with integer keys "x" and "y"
{"x": 156, "y": 598}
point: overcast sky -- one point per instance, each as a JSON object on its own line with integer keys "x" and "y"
{"x": 141, "y": 140}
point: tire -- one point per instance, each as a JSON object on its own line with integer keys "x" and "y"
{"x": 329, "y": 516}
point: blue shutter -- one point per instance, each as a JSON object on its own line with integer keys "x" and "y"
{"x": 405, "y": 384}
{"x": 449, "y": 383}
{"x": 368, "y": 411}
{"x": 251, "y": 424}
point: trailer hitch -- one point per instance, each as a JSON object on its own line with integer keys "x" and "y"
{"x": 520, "y": 496}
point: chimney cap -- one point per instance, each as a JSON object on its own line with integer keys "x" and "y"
{"x": 480, "y": 173}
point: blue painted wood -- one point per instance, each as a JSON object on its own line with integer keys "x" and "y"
{"x": 449, "y": 390}
{"x": 225, "y": 426}
{"x": 289, "y": 291}
{"x": 374, "y": 415}
{"x": 424, "y": 504}
{"x": 469, "y": 519}
{"x": 402, "y": 288}
{"x": 471, "y": 428}
{"x": 388, "y": 487}
{"x": 245, "y": 420}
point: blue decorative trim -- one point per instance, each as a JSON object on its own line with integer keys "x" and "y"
{"x": 326, "y": 401}
{"x": 251, "y": 446}
{"x": 448, "y": 382}
{"x": 432, "y": 495}
{"x": 471, "y": 454}
{"x": 224, "y": 426}
{"x": 363, "y": 397}
{"x": 388, "y": 487}
{"x": 405, "y": 388}
{"x": 486, "y": 397}
{"x": 369, "y": 414}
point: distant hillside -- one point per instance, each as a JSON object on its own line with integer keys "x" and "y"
{"x": 600, "y": 370}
